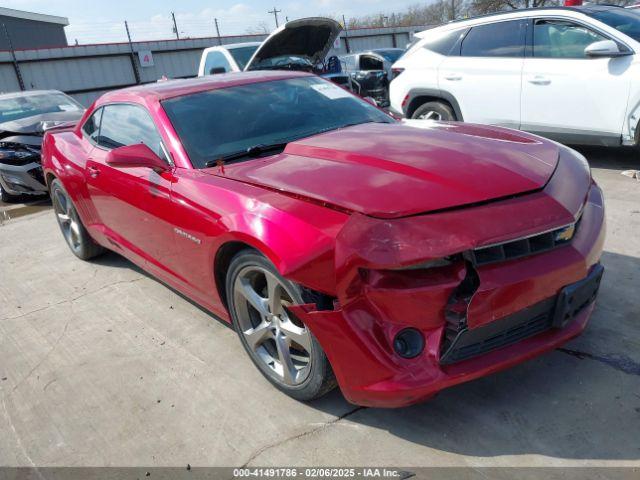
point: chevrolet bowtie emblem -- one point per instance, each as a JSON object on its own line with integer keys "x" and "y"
{"x": 565, "y": 234}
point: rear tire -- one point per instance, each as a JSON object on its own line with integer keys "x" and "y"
{"x": 73, "y": 231}
{"x": 438, "y": 111}
{"x": 279, "y": 344}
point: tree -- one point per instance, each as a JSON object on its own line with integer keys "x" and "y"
{"x": 261, "y": 29}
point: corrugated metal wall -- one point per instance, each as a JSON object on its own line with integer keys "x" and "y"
{"x": 26, "y": 33}
{"x": 88, "y": 71}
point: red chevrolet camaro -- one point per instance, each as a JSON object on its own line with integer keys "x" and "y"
{"x": 345, "y": 247}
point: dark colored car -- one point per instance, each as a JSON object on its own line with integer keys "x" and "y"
{"x": 371, "y": 72}
{"x": 24, "y": 117}
{"x": 302, "y": 45}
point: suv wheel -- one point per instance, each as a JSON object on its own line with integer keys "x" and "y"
{"x": 438, "y": 111}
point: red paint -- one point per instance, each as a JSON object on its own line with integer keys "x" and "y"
{"x": 336, "y": 212}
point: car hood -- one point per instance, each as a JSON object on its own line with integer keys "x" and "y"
{"x": 37, "y": 124}
{"x": 309, "y": 38}
{"x": 401, "y": 169}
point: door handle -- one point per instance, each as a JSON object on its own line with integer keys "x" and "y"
{"x": 454, "y": 77}
{"x": 539, "y": 80}
{"x": 93, "y": 171}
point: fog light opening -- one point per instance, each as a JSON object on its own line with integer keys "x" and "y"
{"x": 408, "y": 343}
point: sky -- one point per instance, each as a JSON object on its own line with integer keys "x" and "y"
{"x": 103, "y": 21}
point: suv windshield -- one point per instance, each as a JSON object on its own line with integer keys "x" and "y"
{"x": 19, "y": 107}
{"x": 222, "y": 122}
{"x": 625, "y": 21}
{"x": 243, "y": 54}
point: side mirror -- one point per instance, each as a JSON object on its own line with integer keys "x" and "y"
{"x": 137, "y": 155}
{"x": 217, "y": 70}
{"x": 604, "y": 48}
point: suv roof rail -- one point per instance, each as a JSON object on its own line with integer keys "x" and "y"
{"x": 581, "y": 9}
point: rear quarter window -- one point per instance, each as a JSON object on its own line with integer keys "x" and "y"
{"x": 500, "y": 39}
{"x": 448, "y": 43}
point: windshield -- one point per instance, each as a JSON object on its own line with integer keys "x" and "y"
{"x": 283, "y": 62}
{"x": 224, "y": 121}
{"x": 242, "y": 55}
{"x": 17, "y": 108}
{"x": 625, "y": 21}
{"x": 390, "y": 55}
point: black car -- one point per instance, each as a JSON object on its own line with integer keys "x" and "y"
{"x": 24, "y": 117}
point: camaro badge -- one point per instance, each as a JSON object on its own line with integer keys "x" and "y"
{"x": 186, "y": 235}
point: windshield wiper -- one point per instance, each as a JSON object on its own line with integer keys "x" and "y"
{"x": 251, "y": 152}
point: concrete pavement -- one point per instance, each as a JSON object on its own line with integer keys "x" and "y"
{"x": 101, "y": 365}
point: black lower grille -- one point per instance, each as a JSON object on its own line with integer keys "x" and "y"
{"x": 461, "y": 343}
{"x": 36, "y": 174}
{"x": 509, "y": 330}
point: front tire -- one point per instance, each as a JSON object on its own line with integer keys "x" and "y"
{"x": 438, "y": 111}
{"x": 279, "y": 344}
{"x": 73, "y": 231}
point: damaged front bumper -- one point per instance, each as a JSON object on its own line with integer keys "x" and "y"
{"x": 22, "y": 179}
{"x": 475, "y": 318}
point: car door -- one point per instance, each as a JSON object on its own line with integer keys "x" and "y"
{"x": 484, "y": 77}
{"x": 132, "y": 203}
{"x": 565, "y": 93}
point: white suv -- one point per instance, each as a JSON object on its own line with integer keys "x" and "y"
{"x": 566, "y": 73}
{"x": 232, "y": 57}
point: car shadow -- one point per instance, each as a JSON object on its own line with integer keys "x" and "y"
{"x": 115, "y": 260}
{"x": 611, "y": 158}
{"x": 578, "y": 402}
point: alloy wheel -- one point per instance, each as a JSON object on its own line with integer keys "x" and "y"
{"x": 278, "y": 341}
{"x": 67, "y": 219}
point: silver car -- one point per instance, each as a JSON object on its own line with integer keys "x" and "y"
{"x": 24, "y": 117}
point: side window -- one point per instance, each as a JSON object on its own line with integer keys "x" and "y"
{"x": 216, "y": 62}
{"x": 92, "y": 125}
{"x": 502, "y": 39}
{"x": 446, "y": 43}
{"x": 562, "y": 39}
{"x": 368, "y": 62}
{"x": 127, "y": 125}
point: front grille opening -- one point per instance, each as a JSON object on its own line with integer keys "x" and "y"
{"x": 456, "y": 310}
{"x": 509, "y": 336}
{"x": 469, "y": 343}
{"x": 523, "y": 247}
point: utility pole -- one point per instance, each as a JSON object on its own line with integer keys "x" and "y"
{"x": 275, "y": 15}
{"x": 16, "y": 67}
{"x": 175, "y": 25}
{"x": 134, "y": 65}
{"x": 218, "y": 31}
{"x": 346, "y": 35}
